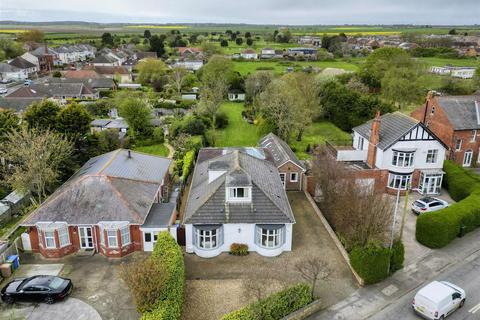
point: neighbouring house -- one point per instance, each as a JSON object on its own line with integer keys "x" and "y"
{"x": 118, "y": 124}
{"x": 192, "y": 65}
{"x": 190, "y": 53}
{"x": 190, "y": 95}
{"x": 18, "y": 105}
{"x": 98, "y": 84}
{"x": 456, "y": 121}
{"x": 394, "y": 152}
{"x": 105, "y": 61}
{"x": 456, "y": 72}
{"x": 43, "y": 57}
{"x": 306, "y": 52}
{"x": 236, "y": 197}
{"x": 69, "y": 53}
{"x": 25, "y": 65}
{"x": 81, "y": 74}
{"x": 141, "y": 55}
{"x": 267, "y": 53}
{"x": 61, "y": 92}
{"x": 291, "y": 170}
{"x": 249, "y": 54}
{"x": 119, "y": 73}
{"x": 11, "y": 73}
{"x": 115, "y": 204}
{"x": 236, "y": 95}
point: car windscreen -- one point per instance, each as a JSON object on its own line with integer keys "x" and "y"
{"x": 419, "y": 204}
{"x": 56, "y": 283}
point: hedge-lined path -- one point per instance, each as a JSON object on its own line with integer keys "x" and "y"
{"x": 369, "y": 301}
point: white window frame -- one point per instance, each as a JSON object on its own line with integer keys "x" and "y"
{"x": 232, "y": 194}
{"x": 63, "y": 236}
{"x": 112, "y": 237}
{"x": 474, "y": 136}
{"x": 458, "y": 147}
{"x": 360, "y": 143}
{"x": 296, "y": 176}
{"x": 204, "y": 237}
{"x": 274, "y": 237}
{"x": 432, "y": 156}
{"x": 399, "y": 181}
{"x": 125, "y": 234}
{"x": 402, "y": 159}
{"x": 50, "y": 237}
{"x": 469, "y": 163}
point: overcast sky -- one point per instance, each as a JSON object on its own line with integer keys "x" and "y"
{"x": 283, "y": 12}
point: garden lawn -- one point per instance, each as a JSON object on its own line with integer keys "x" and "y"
{"x": 156, "y": 149}
{"x": 238, "y": 132}
{"x": 317, "y": 133}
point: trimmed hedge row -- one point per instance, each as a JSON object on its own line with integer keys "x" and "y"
{"x": 439, "y": 228}
{"x": 276, "y": 306}
{"x": 374, "y": 262}
{"x": 170, "y": 302}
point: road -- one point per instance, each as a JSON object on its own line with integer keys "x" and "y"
{"x": 465, "y": 274}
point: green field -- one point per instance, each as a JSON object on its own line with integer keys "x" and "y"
{"x": 156, "y": 149}
{"x": 245, "y": 67}
{"x": 238, "y": 133}
{"x": 460, "y": 62}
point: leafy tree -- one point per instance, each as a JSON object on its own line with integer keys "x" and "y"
{"x": 401, "y": 85}
{"x": 209, "y": 49}
{"x": 239, "y": 41}
{"x": 108, "y": 140}
{"x": 457, "y": 86}
{"x": 37, "y": 155}
{"x": 100, "y": 108}
{"x": 214, "y": 88}
{"x": 138, "y": 117}
{"x": 33, "y": 35}
{"x": 10, "y": 49}
{"x": 177, "y": 77}
{"x": 135, "y": 40}
{"x": 256, "y": 84}
{"x": 224, "y": 43}
{"x": 157, "y": 44}
{"x": 249, "y": 41}
{"x": 107, "y": 39}
{"x": 151, "y": 71}
{"x": 248, "y": 34}
{"x": 452, "y": 32}
{"x": 9, "y": 122}
{"x": 147, "y": 34}
{"x": 74, "y": 120}
{"x": 42, "y": 115}
{"x": 283, "y": 37}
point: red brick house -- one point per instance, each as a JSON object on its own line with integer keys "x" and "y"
{"x": 292, "y": 171}
{"x": 456, "y": 121}
{"x": 114, "y": 205}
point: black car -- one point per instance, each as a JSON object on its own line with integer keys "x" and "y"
{"x": 37, "y": 288}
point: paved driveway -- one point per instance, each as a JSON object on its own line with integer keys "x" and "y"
{"x": 217, "y": 286}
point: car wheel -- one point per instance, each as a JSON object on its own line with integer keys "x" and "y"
{"x": 49, "y": 300}
{"x": 441, "y": 318}
{"x": 462, "y": 303}
{"x": 9, "y": 300}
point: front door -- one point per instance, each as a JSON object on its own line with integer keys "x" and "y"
{"x": 431, "y": 184}
{"x": 86, "y": 237}
{"x": 467, "y": 158}
{"x": 149, "y": 240}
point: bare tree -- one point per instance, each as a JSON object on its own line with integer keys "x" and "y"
{"x": 33, "y": 159}
{"x": 312, "y": 270}
{"x": 177, "y": 77}
{"x": 358, "y": 213}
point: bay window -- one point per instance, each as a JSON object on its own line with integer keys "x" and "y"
{"x": 398, "y": 181}
{"x": 109, "y": 233}
{"x": 50, "y": 239}
{"x": 402, "y": 159}
{"x": 270, "y": 236}
{"x": 112, "y": 238}
{"x": 47, "y": 237}
{"x": 208, "y": 236}
{"x": 125, "y": 234}
{"x": 63, "y": 237}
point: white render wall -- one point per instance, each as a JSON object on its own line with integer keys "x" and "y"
{"x": 237, "y": 233}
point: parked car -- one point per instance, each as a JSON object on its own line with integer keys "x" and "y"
{"x": 37, "y": 288}
{"x": 438, "y": 300}
{"x": 428, "y": 204}
{"x": 3, "y": 90}
{"x": 27, "y": 82}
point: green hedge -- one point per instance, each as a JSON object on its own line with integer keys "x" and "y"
{"x": 187, "y": 164}
{"x": 398, "y": 256}
{"x": 439, "y": 228}
{"x": 371, "y": 262}
{"x": 170, "y": 302}
{"x": 276, "y": 306}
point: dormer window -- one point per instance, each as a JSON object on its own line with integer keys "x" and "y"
{"x": 239, "y": 194}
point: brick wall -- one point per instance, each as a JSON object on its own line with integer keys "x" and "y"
{"x": 288, "y": 168}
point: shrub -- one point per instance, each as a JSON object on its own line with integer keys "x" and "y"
{"x": 170, "y": 302}
{"x": 158, "y": 135}
{"x": 439, "y": 228}
{"x": 276, "y": 306}
{"x": 187, "y": 164}
{"x": 221, "y": 120}
{"x": 239, "y": 249}
{"x": 397, "y": 256}
{"x": 371, "y": 262}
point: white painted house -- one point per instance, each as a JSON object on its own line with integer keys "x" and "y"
{"x": 236, "y": 197}
{"x": 11, "y": 73}
{"x": 249, "y": 54}
{"x": 402, "y": 152}
{"x": 236, "y": 95}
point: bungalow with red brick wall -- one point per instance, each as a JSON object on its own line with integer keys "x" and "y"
{"x": 395, "y": 152}
{"x": 456, "y": 121}
{"x": 114, "y": 205}
{"x": 292, "y": 171}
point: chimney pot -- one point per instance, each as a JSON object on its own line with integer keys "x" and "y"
{"x": 129, "y": 154}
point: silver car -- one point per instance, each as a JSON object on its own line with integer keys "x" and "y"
{"x": 428, "y": 204}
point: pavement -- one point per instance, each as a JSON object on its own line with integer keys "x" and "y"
{"x": 450, "y": 262}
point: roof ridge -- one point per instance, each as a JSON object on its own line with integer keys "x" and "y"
{"x": 127, "y": 204}
{"x": 109, "y": 161}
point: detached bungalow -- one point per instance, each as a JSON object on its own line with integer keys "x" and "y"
{"x": 113, "y": 205}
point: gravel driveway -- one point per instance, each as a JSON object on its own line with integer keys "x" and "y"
{"x": 217, "y": 286}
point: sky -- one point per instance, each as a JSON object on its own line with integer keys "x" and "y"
{"x": 282, "y": 12}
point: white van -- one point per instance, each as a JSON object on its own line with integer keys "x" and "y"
{"x": 438, "y": 299}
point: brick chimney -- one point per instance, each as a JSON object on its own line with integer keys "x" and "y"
{"x": 45, "y": 48}
{"x": 374, "y": 139}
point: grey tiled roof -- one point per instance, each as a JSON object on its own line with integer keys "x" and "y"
{"x": 104, "y": 59}
{"x": 206, "y": 201}
{"x": 160, "y": 215}
{"x": 279, "y": 150}
{"x": 393, "y": 126}
{"x": 110, "y": 187}
{"x": 462, "y": 111}
{"x": 21, "y": 63}
{"x": 5, "y": 67}
{"x": 17, "y": 104}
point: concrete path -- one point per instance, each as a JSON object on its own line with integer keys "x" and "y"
{"x": 171, "y": 150}
{"x": 368, "y": 301}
